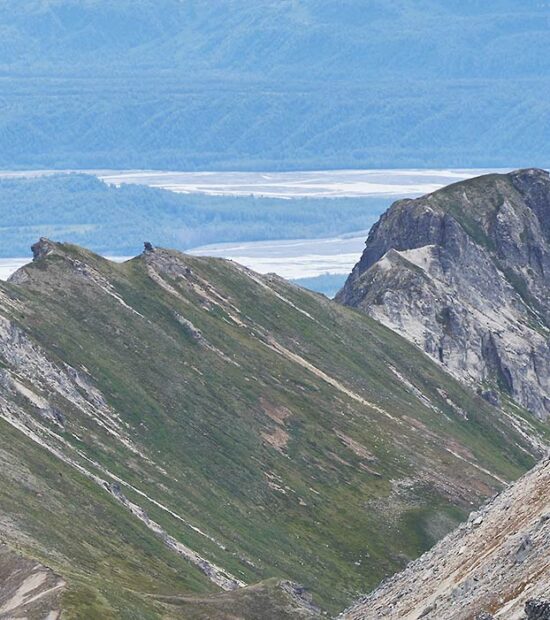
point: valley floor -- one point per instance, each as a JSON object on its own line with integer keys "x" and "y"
{"x": 296, "y": 184}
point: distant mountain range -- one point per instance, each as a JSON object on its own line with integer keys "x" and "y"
{"x": 273, "y": 84}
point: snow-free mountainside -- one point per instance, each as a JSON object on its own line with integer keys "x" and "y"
{"x": 464, "y": 273}
{"x": 186, "y": 432}
{"x": 494, "y": 566}
{"x": 181, "y": 437}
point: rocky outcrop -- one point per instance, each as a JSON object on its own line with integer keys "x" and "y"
{"x": 464, "y": 273}
{"x": 42, "y": 248}
{"x": 494, "y": 566}
{"x": 537, "y": 610}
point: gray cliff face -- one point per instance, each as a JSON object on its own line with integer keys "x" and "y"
{"x": 465, "y": 274}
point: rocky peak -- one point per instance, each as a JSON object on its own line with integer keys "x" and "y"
{"x": 529, "y": 176}
{"x": 165, "y": 261}
{"x": 42, "y": 248}
{"x": 464, "y": 273}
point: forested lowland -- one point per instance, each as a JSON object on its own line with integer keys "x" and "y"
{"x": 116, "y": 220}
{"x": 274, "y": 84}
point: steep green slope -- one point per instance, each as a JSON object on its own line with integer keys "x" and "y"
{"x": 203, "y": 427}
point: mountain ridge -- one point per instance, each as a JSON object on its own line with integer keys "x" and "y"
{"x": 463, "y": 273}
{"x": 233, "y": 425}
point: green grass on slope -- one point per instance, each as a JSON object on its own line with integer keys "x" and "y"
{"x": 109, "y": 559}
{"x": 275, "y": 457}
{"x": 114, "y": 567}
